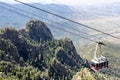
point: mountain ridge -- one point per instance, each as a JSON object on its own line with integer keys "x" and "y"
{"x": 56, "y": 58}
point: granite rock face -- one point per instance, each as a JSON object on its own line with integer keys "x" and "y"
{"x": 37, "y": 31}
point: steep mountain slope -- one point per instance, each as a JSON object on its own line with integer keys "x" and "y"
{"x": 46, "y": 57}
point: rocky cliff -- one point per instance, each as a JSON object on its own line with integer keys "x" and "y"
{"x": 37, "y": 30}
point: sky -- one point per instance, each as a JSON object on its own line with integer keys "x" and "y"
{"x": 68, "y": 2}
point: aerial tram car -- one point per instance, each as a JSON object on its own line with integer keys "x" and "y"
{"x": 99, "y": 61}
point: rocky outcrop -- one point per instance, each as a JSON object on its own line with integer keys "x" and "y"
{"x": 17, "y": 39}
{"x": 8, "y": 51}
{"x": 59, "y": 71}
{"x": 72, "y": 51}
{"x": 37, "y": 31}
